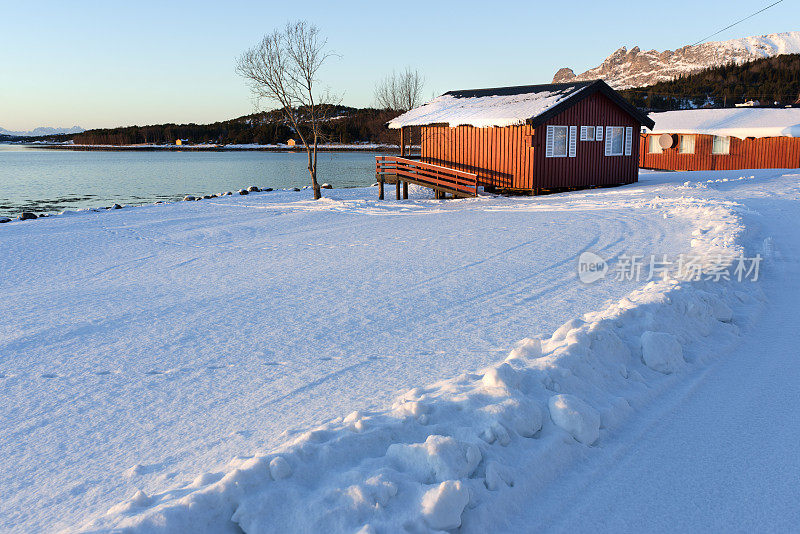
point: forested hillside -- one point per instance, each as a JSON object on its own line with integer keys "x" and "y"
{"x": 768, "y": 80}
{"x": 346, "y": 125}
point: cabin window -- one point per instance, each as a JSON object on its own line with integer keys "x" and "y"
{"x": 615, "y": 140}
{"x": 557, "y": 143}
{"x": 686, "y": 145}
{"x": 653, "y": 146}
{"x": 721, "y": 145}
{"x": 587, "y": 133}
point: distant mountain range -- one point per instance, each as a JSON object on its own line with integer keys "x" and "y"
{"x": 42, "y": 131}
{"x": 633, "y": 68}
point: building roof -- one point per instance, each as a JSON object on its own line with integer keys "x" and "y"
{"x": 509, "y": 106}
{"x": 732, "y": 122}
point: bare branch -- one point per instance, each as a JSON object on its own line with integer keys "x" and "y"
{"x": 400, "y": 92}
{"x": 282, "y": 70}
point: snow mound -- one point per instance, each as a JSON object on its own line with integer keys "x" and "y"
{"x": 279, "y": 468}
{"x": 445, "y": 451}
{"x": 570, "y": 413}
{"x": 661, "y": 352}
{"x": 438, "y": 458}
{"x": 442, "y": 506}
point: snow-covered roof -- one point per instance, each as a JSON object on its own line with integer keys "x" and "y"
{"x": 733, "y": 122}
{"x": 509, "y": 106}
{"x": 505, "y": 106}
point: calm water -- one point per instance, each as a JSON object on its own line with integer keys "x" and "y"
{"x": 43, "y": 180}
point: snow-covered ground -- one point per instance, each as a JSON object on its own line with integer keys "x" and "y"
{"x": 271, "y": 363}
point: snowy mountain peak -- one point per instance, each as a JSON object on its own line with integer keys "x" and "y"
{"x": 42, "y": 131}
{"x": 634, "y": 68}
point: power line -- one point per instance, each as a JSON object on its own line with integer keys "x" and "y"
{"x": 737, "y": 22}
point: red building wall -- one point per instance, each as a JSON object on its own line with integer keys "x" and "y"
{"x": 499, "y": 156}
{"x": 750, "y": 153}
{"x": 590, "y": 166}
{"x": 514, "y": 156}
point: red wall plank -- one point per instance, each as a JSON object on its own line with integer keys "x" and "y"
{"x": 761, "y": 153}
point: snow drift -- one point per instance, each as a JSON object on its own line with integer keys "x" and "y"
{"x": 441, "y": 456}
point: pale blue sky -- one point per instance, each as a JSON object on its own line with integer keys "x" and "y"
{"x": 112, "y": 63}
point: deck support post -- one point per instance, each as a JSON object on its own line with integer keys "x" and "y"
{"x": 397, "y": 187}
{"x": 380, "y": 186}
{"x": 402, "y": 155}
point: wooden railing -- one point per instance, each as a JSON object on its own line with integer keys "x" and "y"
{"x": 437, "y": 177}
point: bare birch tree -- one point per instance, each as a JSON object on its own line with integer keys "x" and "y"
{"x": 400, "y": 91}
{"x": 282, "y": 70}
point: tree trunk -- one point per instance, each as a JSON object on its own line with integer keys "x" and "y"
{"x": 312, "y": 169}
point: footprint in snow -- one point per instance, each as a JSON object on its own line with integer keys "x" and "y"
{"x": 139, "y": 469}
{"x": 49, "y": 375}
{"x": 102, "y": 373}
{"x": 83, "y": 487}
{"x": 154, "y": 372}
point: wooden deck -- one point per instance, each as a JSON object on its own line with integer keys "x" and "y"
{"x": 443, "y": 180}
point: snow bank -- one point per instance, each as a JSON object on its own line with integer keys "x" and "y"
{"x": 444, "y": 452}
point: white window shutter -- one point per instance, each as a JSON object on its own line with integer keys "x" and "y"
{"x": 573, "y": 140}
{"x": 608, "y": 140}
{"x": 584, "y": 133}
{"x": 548, "y": 150}
{"x": 598, "y": 133}
{"x": 628, "y": 140}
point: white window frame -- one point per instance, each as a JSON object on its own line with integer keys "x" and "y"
{"x": 682, "y": 149}
{"x": 628, "y": 140}
{"x": 611, "y": 133}
{"x": 726, "y": 145}
{"x": 598, "y": 133}
{"x": 653, "y": 145}
{"x": 587, "y": 133}
{"x": 573, "y": 141}
{"x": 549, "y": 151}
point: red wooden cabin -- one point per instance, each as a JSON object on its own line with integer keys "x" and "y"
{"x": 521, "y": 139}
{"x": 723, "y": 139}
